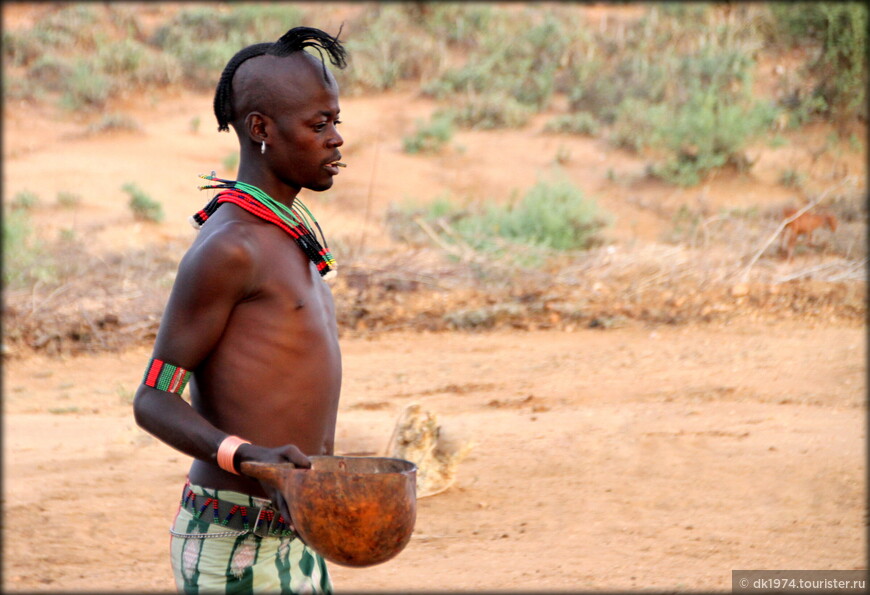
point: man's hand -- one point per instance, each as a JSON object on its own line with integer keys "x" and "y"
{"x": 282, "y": 454}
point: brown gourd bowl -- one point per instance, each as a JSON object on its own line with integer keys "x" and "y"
{"x": 354, "y": 511}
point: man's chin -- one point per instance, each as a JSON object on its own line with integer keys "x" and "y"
{"x": 320, "y": 187}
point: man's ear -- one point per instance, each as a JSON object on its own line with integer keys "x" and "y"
{"x": 257, "y": 127}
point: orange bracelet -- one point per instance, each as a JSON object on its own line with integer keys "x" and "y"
{"x": 227, "y": 451}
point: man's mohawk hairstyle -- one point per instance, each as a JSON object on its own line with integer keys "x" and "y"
{"x": 295, "y": 40}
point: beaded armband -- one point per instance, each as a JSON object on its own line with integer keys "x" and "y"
{"x": 163, "y": 376}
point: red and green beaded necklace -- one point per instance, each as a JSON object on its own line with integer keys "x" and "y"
{"x": 296, "y": 220}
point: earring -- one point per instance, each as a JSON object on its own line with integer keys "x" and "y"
{"x": 263, "y": 148}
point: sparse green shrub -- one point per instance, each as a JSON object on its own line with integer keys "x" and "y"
{"x": 840, "y": 67}
{"x": 20, "y": 48}
{"x": 67, "y": 199}
{"x": 708, "y": 117}
{"x": 125, "y": 18}
{"x": 488, "y": 111}
{"x": 114, "y": 121}
{"x": 157, "y": 69}
{"x": 203, "y": 38}
{"x": 776, "y": 141}
{"x": 86, "y": 88}
{"x": 143, "y": 207}
{"x": 25, "y": 260}
{"x": 431, "y": 137}
{"x": 633, "y": 128}
{"x": 685, "y": 224}
{"x": 69, "y": 28}
{"x": 122, "y": 57}
{"x": 200, "y": 60}
{"x": 460, "y": 23}
{"x": 25, "y": 200}
{"x": 575, "y": 123}
{"x": 255, "y": 22}
{"x": 523, "y": 69}
{"x": 705, "y": 133}
{"x": 51, "y": 72}
{"x": 388, "y": 48}
{"x": 600, "y": 84}
{"x": 791, "y": 178}
{"x": 551, "y": 216}
{"x": 20, "y": 88}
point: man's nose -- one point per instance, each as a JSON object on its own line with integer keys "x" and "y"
{"x": 336, "y": 140}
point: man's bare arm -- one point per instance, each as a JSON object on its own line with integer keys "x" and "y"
{"x": 212, "y": 278}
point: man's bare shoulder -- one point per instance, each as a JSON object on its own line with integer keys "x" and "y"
{"x": 226, "y": 247}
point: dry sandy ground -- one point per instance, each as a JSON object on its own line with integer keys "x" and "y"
{"x": 621, "y": 459}
{"x": 629, "y": 458}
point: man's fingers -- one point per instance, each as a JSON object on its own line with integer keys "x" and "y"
{"x": 295, "y": 456}
{"x": 278, "y": 499}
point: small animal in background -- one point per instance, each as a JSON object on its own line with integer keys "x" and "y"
{"x": 804, "y": 225}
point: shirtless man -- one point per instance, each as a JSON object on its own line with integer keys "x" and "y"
{"x": 251, "y": 323}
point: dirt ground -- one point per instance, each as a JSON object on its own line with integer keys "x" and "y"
{"x": 658, "y": 458}
{"x": 642, "y": 456}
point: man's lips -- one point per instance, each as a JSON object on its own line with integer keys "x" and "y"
{"x": 332, "y": 166}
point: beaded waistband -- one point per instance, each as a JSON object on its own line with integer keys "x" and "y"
{"x": 228, "y": 509}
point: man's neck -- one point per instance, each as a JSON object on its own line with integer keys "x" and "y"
{"x": 268, "y": 183}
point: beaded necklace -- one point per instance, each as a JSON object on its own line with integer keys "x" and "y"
{"x": 296, "y": 220}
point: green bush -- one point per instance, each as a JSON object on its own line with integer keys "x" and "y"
{"x": 20, "y": 88}
{"x": 71, "y": 28}
{"x": 791, "y": 178}
{"x": 201, "y": 61}
{"x": 25, "y": 200}
{"x": 86, "y": 89}
{"x": 706, "y": 118}
{"x": 518, "y": 58}
{"x": 552, "y": 216}
{"x": 705, "y": 133}
{"x": 431, "y": 137}
{"x": 114, "y": 121}
{"x": 20, "y": 48}
{"x": 575, "y": 123}
{"x": 461, "y": 24}
{"x": 143, "y": 207}
{"x": 121, "y": 57}
{"x": 202, "y": 39}
{"x": 256, "y": 22}
{"x": 599, "y": 85}
{"x": 68, "y": 200}
{"x": 839, "y": 68}
{"x": 51, "y": 73}
{"x": 487, "y": 111}
{"x": 25, "y": 260}
{"x": 633, "y": 128}
{"x": 388, "y": 48}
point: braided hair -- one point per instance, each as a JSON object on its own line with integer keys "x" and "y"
{"x": 295, "y": 40}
